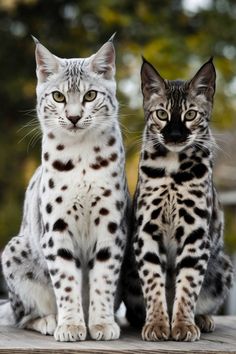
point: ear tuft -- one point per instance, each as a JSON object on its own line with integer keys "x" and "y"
{"x": 103, "y": 62}
{"x": 204, "y": 80}
{"x": 46, "y": 63}
{"x": 151, "y": 80}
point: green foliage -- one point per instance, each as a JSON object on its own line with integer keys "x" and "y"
{"x": 174, "y": 40}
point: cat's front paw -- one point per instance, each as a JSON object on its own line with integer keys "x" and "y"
{"x": 104, "y": 331}
{"x": 155, "y": 332}
{"x": 70, "y": 333}
{"x": 205, "y": 323}
{"x": 185, "y": 331}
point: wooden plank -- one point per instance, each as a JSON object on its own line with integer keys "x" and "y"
{"x": 222, "y": 341}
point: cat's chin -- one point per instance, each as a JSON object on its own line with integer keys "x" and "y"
{"x": 176, "y": 147}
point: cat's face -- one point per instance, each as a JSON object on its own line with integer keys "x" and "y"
{"x": 177, "y": 112}
{"x": 75, "y": 95}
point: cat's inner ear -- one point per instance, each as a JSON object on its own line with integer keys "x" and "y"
{"x": 103, "y": 62}
{"x": 151, "y": 80}
{"x": 46, "y": 63}
{"x": 204, "y": 80}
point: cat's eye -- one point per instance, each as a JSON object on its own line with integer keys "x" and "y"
{"x": 162, "y": 114}
{"x": 190, "y": 115}
{"x": 90, "y": 96}
{"x": 58, "y": 97}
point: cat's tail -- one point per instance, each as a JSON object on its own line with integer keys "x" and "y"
{"x": 6, "y": 314}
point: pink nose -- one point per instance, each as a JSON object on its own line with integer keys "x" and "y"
{"x": 74, "y": 119}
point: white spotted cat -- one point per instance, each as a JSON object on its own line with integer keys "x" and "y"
{"x": 64, "y": 264}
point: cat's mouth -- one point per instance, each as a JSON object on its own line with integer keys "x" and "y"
{"x": 75, "y": 128}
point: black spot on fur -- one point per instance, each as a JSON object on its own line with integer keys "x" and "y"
{"x": 60, "y": 147}
{"x": 49, "y": 208}
{"x": 156, "y": 213}
{"x": 111, "y": 141}
{"x": 103, "y": 254}
{"x": 58, "y": 200}
{"x": 181, "y": 177}
{"x": 61, "y": 166}
{"x": 91, "y": 264}
{"x": 200, "y": 212}
{"x": 113, "y": 157}
{"x": 179, "y": 233}
{"x": 189, "y": 202}
{"x": 60, "y": 225}
{"x": 187, "y": 262}
{"x": 77, "y": 263}
{"x": 50, "y": 242}
{"x": 24, "y": 254}
{"x": 199, "y": 170}
{"x": 51, "y": 257}
{"x": 68, "y": 289}
{"x": 153, "y": 172}
{"x": 140, "y": 243}
{"x": 187, "y": 217}
{"x": 151, "y": 257}
{"x": 186, "y": 165}
{"x": 65, "y": 254}
{"x": 112, "y": 227}
{"x": 29, "y": 275}
{"x": 140, "y": 220}
{"x": 51, "y": 136}
{"x": 107, "y": 193}
{"x": 103, "y": 211}
{"x": 46, "y": 156}
{"x": 97, "y": 221}
{"x": 182, "y": 156}
{"x": 197, "y": 193}
{"x": 119, "y": 205}
{"x": 156, "y": 201}
{"x": 95, "y": 166}
{"x": 150, "y": 228}
{"x": 51, "y": 183}
{"x": 194, "y": 236}
{"x": 16, "y": 260}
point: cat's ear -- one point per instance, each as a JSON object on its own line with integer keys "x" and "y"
{"x": 151, "y": 80}
{"x": 204, "y": 81}
{"x": 46, "y": 63}
{"x": 103, "y": 62}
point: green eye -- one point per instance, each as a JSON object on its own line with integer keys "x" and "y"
{"x": 162, "y": 114}
{"x": 90, "y": 96}
{"x": 190, "y": 115}
{"x": 58, "y": 97}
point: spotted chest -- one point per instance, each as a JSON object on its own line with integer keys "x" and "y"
{"x": 179, "y": 188}
{"x": 80, "y": 189}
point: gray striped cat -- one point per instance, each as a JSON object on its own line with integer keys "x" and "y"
{"x": 178, "y": 222}
{"x": 62, "y": 269}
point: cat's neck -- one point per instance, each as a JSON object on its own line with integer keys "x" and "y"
{"x": 68, "y": 146}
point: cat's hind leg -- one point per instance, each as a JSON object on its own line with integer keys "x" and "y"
{"x": 30, "y": 291}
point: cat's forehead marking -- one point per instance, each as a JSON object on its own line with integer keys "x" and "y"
{"x": 74, "y": 73}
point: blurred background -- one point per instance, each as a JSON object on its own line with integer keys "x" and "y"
{"x": 176, "y": 36}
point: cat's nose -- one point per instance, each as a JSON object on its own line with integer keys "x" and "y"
{"x": 74, "y": 119}
{"x": 175, "y": 137}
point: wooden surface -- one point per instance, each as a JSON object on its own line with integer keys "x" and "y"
{"x": 223, "y": 340}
